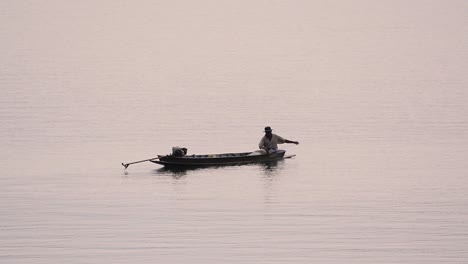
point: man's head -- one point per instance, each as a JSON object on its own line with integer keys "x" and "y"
{"x": 268, "y": 130}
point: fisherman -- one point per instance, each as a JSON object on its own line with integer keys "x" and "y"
{"x": 270, "y": 141}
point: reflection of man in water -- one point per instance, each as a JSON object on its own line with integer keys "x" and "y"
{"x": 270, "y": 141}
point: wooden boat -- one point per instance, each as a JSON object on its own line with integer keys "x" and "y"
{"x": 172, "y": 160}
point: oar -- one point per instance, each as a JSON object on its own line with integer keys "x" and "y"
{"x": 130, "y": 163}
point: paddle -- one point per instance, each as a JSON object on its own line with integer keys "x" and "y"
{"x": 130, "y": 163}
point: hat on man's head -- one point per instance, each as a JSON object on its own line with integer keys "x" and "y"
{"x": 268, "y": 129}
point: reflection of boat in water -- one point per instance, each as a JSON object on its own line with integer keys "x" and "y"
{"x": 187, "y": 161}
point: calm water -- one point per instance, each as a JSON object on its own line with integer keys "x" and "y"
{"x": 376, "y": 93}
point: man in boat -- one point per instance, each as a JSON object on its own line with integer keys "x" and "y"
{"x": 270, "y": 141}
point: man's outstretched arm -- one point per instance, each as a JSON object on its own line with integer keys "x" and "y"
{"x": 290, "y": 141}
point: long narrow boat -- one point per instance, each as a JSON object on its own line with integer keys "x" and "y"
{"x": 219, "y": 159}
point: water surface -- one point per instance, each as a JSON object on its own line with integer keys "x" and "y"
{"x": 375, "y": 93}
